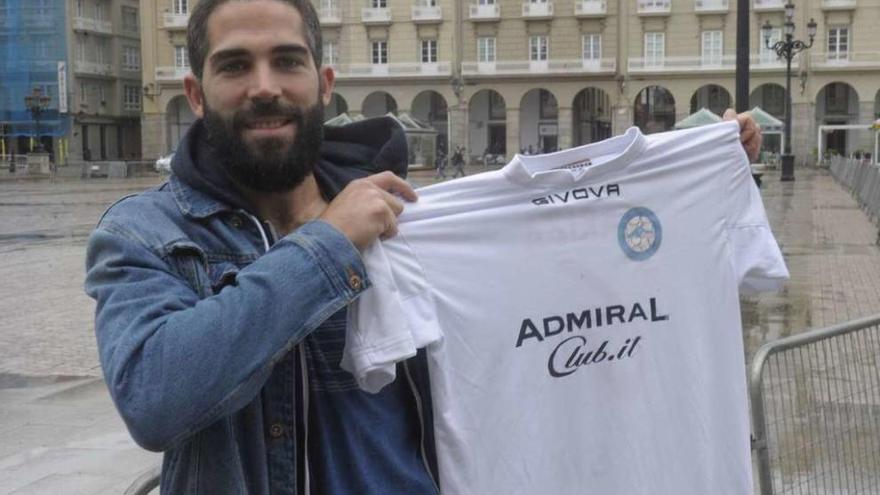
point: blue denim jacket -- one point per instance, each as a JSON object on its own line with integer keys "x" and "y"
{"x": 207, "y": 363}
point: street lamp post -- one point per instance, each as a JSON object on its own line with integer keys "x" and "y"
{"x": 787, "y": 48}
{"x": 36, "y": 103}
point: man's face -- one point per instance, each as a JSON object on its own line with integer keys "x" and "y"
{"x": 261, "y": 96}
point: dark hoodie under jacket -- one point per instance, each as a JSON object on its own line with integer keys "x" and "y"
{"x": 349, "y": 152}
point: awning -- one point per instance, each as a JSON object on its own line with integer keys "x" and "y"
{"x": 699, "y": 118}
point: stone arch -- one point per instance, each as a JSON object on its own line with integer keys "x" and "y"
{"x": 178, "y": 118}
{"x": 771, "y": 98}
{"x": 538, "y": 122}
{"x": 379, "y": 103}
{"x": 430, "y": 107}
{"x": 337, "y": 106}
{"x": 654, "y": 110}
{"x": 838, "y": 103}
{"x": 713, "y": 97}
{"x": 877, "y": 105}
{"x": 591, "y": 116}
{"x": 487, "y": 124}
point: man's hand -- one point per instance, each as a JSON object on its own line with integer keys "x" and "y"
{"x": 367, "y": 208}
{"x": 749, "y": 132}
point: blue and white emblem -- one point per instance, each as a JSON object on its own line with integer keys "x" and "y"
{"x": 639, "y": 233}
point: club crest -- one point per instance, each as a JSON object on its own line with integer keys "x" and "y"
{"x": 639, "y": 233}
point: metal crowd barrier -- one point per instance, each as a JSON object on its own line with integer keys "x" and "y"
{"x": 862, "y": 179}
{"x": 815, "y": 402}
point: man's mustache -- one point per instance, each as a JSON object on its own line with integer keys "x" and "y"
{"x": 270, "y": 109}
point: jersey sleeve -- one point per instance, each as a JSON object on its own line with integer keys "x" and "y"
{"x": 757, "y": 260}
{"x": 392, "y": 319}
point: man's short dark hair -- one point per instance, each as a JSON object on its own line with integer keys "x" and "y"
{"x": 197, "y": 31}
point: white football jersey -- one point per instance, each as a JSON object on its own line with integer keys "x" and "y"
{"x": 581, "y": 316}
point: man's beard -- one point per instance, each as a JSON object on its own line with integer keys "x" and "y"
{"x": 268, "y": 165}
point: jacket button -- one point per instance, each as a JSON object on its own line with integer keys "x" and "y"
{"x": 236, "y": 222}
{"x": 276, "y": 430}
{"x": 355, "y": 282}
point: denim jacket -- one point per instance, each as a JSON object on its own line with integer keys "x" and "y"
{"x": 198, "y": 347}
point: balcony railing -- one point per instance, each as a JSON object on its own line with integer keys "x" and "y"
{"x": 676, "y": 64}
{"x": 174, "y": 21}
{"x": 330, "y": 16}
{"x": 491, "y": 12}
{"x": 765, "y": 5}
{"x": 654, "y": 7}
{"x": 376, "y": 15}
{"x": 844, "y": 60}
{"x": 413, "y": 69}
{"x": 711, "y": 6}
{"x": 537, "y": 10}
{"x": 529, "y": 67}
{"x": 838, "y": 4}
{"x": 426, "y": 13}
{"x": 94, "y": 25}
{"x": 768, "y": 62}
{"x": 590, "y": 8}
{"x": 94, "y": 68}
{"x": 171, "y": 73}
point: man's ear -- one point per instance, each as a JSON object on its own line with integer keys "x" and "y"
{"x": 194, "y": 95}
{"x": 327, "y": 79}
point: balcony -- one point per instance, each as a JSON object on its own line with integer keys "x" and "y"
{"x": 174, "y": 21}
{"x": 330, "y": 16}
{"x": 93, "y": 68}
{"x": 726, "y": 63}
{"x": 768, "y": 61}
{"x": 769, "y": 5}
{"x": 590, "y": 8}
{"x": 491, "y": 12}
{"x": 171, "y": 73}
{"x": 409, "y": 70}
{"x": 837, "y": 61}
{"x": 838, "y": 4}
{"x": 426, "y": 13}
{"x": 711, "y": 6}
{"x": 376, "y": 15}
{"x": 571, "y": 67}
{"x": 537, "y": 10}
{"x": 92, "y": 25}
{"x": 654, "y": 7}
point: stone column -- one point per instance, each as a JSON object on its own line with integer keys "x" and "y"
{"x": 621, "y": 119}
{"x": 512, "y": 132}
{"x": 803, "y": 133}
{"x": 458, "y": 130}
{"x": 153, "y": 136}
{"x": 864, "y": 140}
{"x": 564, "y": 135}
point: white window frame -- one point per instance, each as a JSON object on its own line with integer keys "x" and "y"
{"x": 485, "y": 2}
{"x": 837, "y": 45}
{"x": 655, "y": 49}
{"x": 486, "y": 49}
{"x": 539, "y": 48}
{"x": 428, "y": 47}
{"x": 131, "y": 97}
{"x": 379, "y": 52}
{"x": 130, "y": 14}
{"x": 181, "y": 57}
{"x": 591, "y": 47}
{"x": 712, "y": 47}
{"x": 131, "y": 58}
{"x": 102, "y": 94}
{"x": 180, "y": 7}
{"x": 100, "y": 11}
{"x": 768, "y": 55}
{"x": 80, "y": 8}
{"x": 329, "y": 53}
{"x": 379, "y": 4}
{"x": 81, "y": 49}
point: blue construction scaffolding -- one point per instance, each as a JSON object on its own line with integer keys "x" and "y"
{"x": 33, "y": 54}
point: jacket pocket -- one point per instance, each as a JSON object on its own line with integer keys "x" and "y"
{"x": 222, "y": 274}
{"x": 190, "y": 262}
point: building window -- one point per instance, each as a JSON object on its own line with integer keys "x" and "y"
{"x": 100, "y": 14}
{"x": 485, "y": 49}
{"x": 592, "y": 46}
{"x": 131, "y": 58}
{"x": 429, "y": 51}
{"x": 130, "y": 21}
{"x": 379, "y": 53}
{"x": 328, "y": 53}
{"x": 655, "y": 49}
{"x": 181, "y": 59}
{"x": 486, "y": 2}
{"x": 768, "y": 55}
{"x": 838, "y": 43}
{"x": 101, "y": 50}
{"x": 537, "y": 48}
{"x": 80, "y": 49}
{"x": 102, "y": 94}
{"x": 713, "y": 47}
{"x": 379, "y": 4}
{"x": 131, "y": 99}
{"x": 180, "y": 6}
{"x": 80, "y": 8}
{"x": 83, "y": 94}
